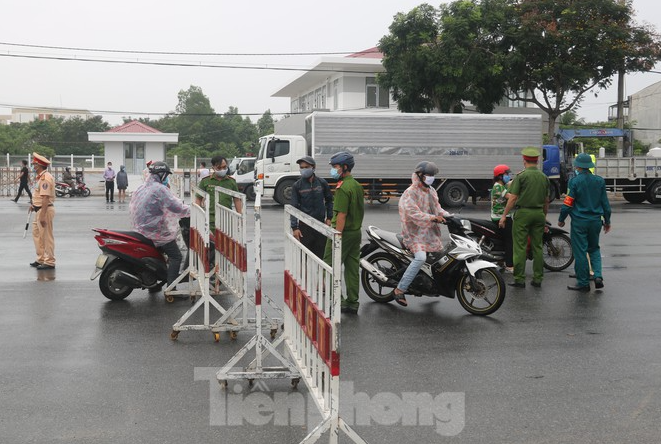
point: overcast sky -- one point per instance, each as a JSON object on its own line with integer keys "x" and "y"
{"x": 197, "y": 26}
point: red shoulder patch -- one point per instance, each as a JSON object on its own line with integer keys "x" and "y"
{"x": 339, "y": 184}
{"x": 569, "y": 201}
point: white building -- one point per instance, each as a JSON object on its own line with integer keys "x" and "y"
{"x": 349, "y": 84}
{"x": 645, "y": 114}
{"x": 132, "y": 145}
{"x": 26, "y": 115}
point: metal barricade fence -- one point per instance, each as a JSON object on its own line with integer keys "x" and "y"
{"x": 198, "y": 271}
{"x": 312, "y": 297}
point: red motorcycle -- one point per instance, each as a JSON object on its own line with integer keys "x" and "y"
{"x": 80, "y": 189}
{"x": 128, "y": 261}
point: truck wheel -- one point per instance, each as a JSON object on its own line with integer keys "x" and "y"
{"x": 283, "y": 192}
{"x": 654, "y": 193}
{"x": 250, "y": 192}
{"x": 454, "y": 194}
{"x": 635, "y": 198}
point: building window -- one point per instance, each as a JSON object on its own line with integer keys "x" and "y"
{"x": 375, "y": 96}
{"x": 336, "y": 87}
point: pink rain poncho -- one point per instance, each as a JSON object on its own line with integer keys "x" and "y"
{"x": 417, "y": 207}
{"x": 155, "y": 211}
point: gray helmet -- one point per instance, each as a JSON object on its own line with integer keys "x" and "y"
{"x": 342, "y": 158}
{"x": 307, "y": 159}
{"x": 161, "y": 169}
{"x": 427, "y": 168}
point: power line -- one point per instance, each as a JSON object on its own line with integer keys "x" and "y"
{"x": 238, "y": 54}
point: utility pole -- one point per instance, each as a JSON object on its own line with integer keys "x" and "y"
{"x": 620, "y": 102}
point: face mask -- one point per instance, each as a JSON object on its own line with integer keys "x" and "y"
{"x": 335, "y": 174}
{"x": 221, "y": 173}
{"x": 429, "y": 180}
{"x": 166, "y": 181}
{"x": 506, "y": 178}
{"x": 307, "y": 173}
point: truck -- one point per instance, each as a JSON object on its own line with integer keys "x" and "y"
{"x": 388, "y": 146}
{"x": 637, "y": 178}
{"x": 243, "y": 171}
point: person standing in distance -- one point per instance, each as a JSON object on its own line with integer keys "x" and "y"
{"x": 499, "y": 196}
{"x": 122, "y": 184}
{"x": 24, "y": 182}
{"x": 348, "y": 213}
{"x": 312, "y": 195}
{"x": 109, "y": 177}
{"x": 42, "y": 204}
{"x": 529, "y": 194}
{"x": 588, "y": 206}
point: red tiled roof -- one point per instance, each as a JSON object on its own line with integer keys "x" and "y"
{"x": 371, "y": 53}
{"x": 133, "y": 127}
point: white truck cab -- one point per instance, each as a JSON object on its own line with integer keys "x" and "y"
{"x": 243, "y": 171}
{"x": 276, "y": 169}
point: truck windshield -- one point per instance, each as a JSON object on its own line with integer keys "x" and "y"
{"x": 262, "y": 148}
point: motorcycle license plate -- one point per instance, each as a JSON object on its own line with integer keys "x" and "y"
{"x": 100, "y": 263}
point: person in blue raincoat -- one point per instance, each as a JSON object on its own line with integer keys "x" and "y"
{"x": 588, "y": 206}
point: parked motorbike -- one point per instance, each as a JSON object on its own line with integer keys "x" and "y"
{"x": 128, "y": 261}
{"x": 556, "y": 247}
{"x": 63, "y": 189}
{"x": 457, "y": 270}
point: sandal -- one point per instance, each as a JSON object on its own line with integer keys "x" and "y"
{"x": 400, "y": 298}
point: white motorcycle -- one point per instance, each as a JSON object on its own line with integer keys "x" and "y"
{"x": 457, "y": 269}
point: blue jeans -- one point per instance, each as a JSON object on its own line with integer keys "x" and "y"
{"x": 174, "y": 259}
{"x": 412, "y": 270}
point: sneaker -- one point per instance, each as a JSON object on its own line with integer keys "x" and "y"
{"x": 517, "y": 284}
{"x": 536, "y": 284}
{"x": 349, "y": 310}
{"x": 509, "y": 269}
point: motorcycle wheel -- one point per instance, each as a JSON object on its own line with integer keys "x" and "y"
{"x": 86, "y": 192}
{"x": 109, "y": 287}
{"x": 59, "y": 193}
{"x": 377, "y": 291}
{"x": 486, "y": 296}
{"x": 557, "y": 251}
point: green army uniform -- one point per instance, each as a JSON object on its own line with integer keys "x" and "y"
{"x": 587, "y": 204}
{"x": 532, "y": 188}
{"x": 208, "y": 185}
{"x": 349, "y": 199}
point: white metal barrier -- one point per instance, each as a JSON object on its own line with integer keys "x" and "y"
{"x": 312, "y": 323}
{"x": 262, "y": 346}
{"x": 231, "y": 265}
{"x": 198, "y": 271}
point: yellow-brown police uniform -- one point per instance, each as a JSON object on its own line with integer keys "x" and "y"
{"x": 44, "y": 242}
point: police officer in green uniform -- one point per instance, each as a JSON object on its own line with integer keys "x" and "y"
{"x": 588, "y": 206}
{"x": 529, "y": 195}
{"x": 219, "y": 177}
{"x": 348, "y": 212}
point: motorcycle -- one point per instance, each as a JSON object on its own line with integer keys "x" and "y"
{"x": 556, "y": 245}
{"x": 128, "y": 261}
{"x": 457, "y": 270}
{"x": 63, "y": 188}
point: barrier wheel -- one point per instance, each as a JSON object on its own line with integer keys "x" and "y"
{"x": 251, "y": 382}
{"x": 274, "y": 331}
{"x": 233, "y": 335}
{"x": 174, "y": 335}
{"x": 294, "y": 383}
{"x": 223, "y": 383}
{"x": 216, "y": 337}
{"x": 169, "y": 298}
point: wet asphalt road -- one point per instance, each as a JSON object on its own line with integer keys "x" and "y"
{"x": 549, "y": 367}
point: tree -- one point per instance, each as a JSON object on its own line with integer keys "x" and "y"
{"x": 561, "y": 49}
{"x": 265, "y": 124}
{"x": 439, "y": 60}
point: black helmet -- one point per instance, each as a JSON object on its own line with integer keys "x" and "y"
{"x": 427, "y": 168}
{"x": 342, "y": 158}
{"x": 161, "y": 169}
{"x": 67, "y": 169}
{"x": 307, "y": 159}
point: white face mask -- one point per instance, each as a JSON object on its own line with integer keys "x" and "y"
{"x": 429, "y": 180}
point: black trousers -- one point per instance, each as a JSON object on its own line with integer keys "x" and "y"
{"x": 23, "y": 186}
{"x": 313, "y": 240}
{"x": 110, "y": 190}
{"x": 174, "y": 259}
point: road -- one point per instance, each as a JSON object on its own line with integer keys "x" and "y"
{"x": 549, "y": 367}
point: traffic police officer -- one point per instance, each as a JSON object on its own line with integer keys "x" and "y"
{"x": 348, "y": 212}
{"x": 588, "y": 206}
{"x": 42, "y": 204}
{"x": 529, "y": 195}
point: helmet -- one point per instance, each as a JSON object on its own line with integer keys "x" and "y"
{"x": 67, "y": 169}
{"x": 342, "y": 158}
{"x": 161, "y": 169}
{"x": 427, "y": 168}
{"x": 500, "y": 170}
